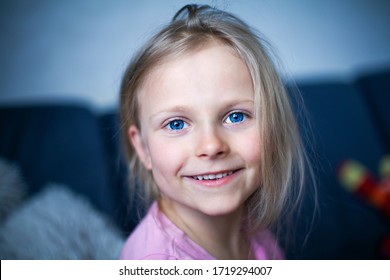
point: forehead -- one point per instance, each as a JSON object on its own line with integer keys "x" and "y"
{"x": 181, "y": 54}
{"x": 213, "y": 68}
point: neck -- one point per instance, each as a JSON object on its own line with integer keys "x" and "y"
{"x": 221, "y": 236}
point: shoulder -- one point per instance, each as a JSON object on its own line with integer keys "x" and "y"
{"x": 265, "y": 246}
{"x": 143, "y": 249}
{"x": 148, "y": 240}
{"x": 155, "y": 238}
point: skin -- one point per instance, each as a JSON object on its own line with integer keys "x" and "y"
{"x": 197, "y": 119}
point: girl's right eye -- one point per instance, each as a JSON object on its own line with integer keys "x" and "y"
{"x": 176, "y": 125}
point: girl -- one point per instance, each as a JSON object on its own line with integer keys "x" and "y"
{"x": 210, "y": 133}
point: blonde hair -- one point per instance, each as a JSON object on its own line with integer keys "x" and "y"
{"x": 282, "y": 155}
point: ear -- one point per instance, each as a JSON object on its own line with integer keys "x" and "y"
{"x": 140, "y": 146}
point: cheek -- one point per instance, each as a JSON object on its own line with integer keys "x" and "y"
{"x": 249, "y": 146}
{"x": 166, "y": 156}
{"x": 167, "y": 159}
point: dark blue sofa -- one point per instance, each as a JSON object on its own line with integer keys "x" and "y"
{"x": 344, "y": 121}
{"x": 70, "y": 144}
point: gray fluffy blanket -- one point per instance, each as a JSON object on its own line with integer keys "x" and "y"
{"x": 53, "y": 224}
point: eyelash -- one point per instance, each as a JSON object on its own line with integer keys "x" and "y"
{"x": 243, "y": 117}
{"x": 170, "y": 125}
{"x": 179, "y": 124}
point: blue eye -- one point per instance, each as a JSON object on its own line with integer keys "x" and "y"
{"x": 176, "y": 125}
{"x": 235, "y": 117}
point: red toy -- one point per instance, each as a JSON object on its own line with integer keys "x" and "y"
{"x": 358, "y": 180}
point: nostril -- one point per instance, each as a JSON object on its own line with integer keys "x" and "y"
{"x": 211, "y": 143}
{"x": 214, "y": 151}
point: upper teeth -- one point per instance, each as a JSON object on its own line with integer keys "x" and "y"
{"x": 213, "y": 176}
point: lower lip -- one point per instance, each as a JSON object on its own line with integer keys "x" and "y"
{"x": 216, "y": 182}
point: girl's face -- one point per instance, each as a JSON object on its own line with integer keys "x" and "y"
{"x": 199, "y": 133}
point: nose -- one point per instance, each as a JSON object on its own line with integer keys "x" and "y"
{"x": 212, "y": 144}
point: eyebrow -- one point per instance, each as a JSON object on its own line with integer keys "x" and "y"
{"x": 187, "y": 108}
{"x": 174, "y": 109}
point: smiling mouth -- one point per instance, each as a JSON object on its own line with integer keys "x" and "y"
{"x": 214, "y": 176}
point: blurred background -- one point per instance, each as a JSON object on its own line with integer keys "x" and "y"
{"x": 63, "y": 175}
{"x": 79, "y": 49}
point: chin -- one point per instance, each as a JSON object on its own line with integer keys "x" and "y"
{"x": 219, "y": 210}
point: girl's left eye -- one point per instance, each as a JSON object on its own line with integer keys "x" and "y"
{"x": 235, "y": 117}
{"x": 176, "y": 125}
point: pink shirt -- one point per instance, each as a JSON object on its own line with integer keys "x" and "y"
{"x": 157, "y": 238}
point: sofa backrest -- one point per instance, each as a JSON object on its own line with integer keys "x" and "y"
{"x": 58, "y": 144}
{"x": 376, "y": 90}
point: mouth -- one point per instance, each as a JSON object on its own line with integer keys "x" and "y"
{"x": 212, "y": 176}
{"x": 215, "y": 179}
